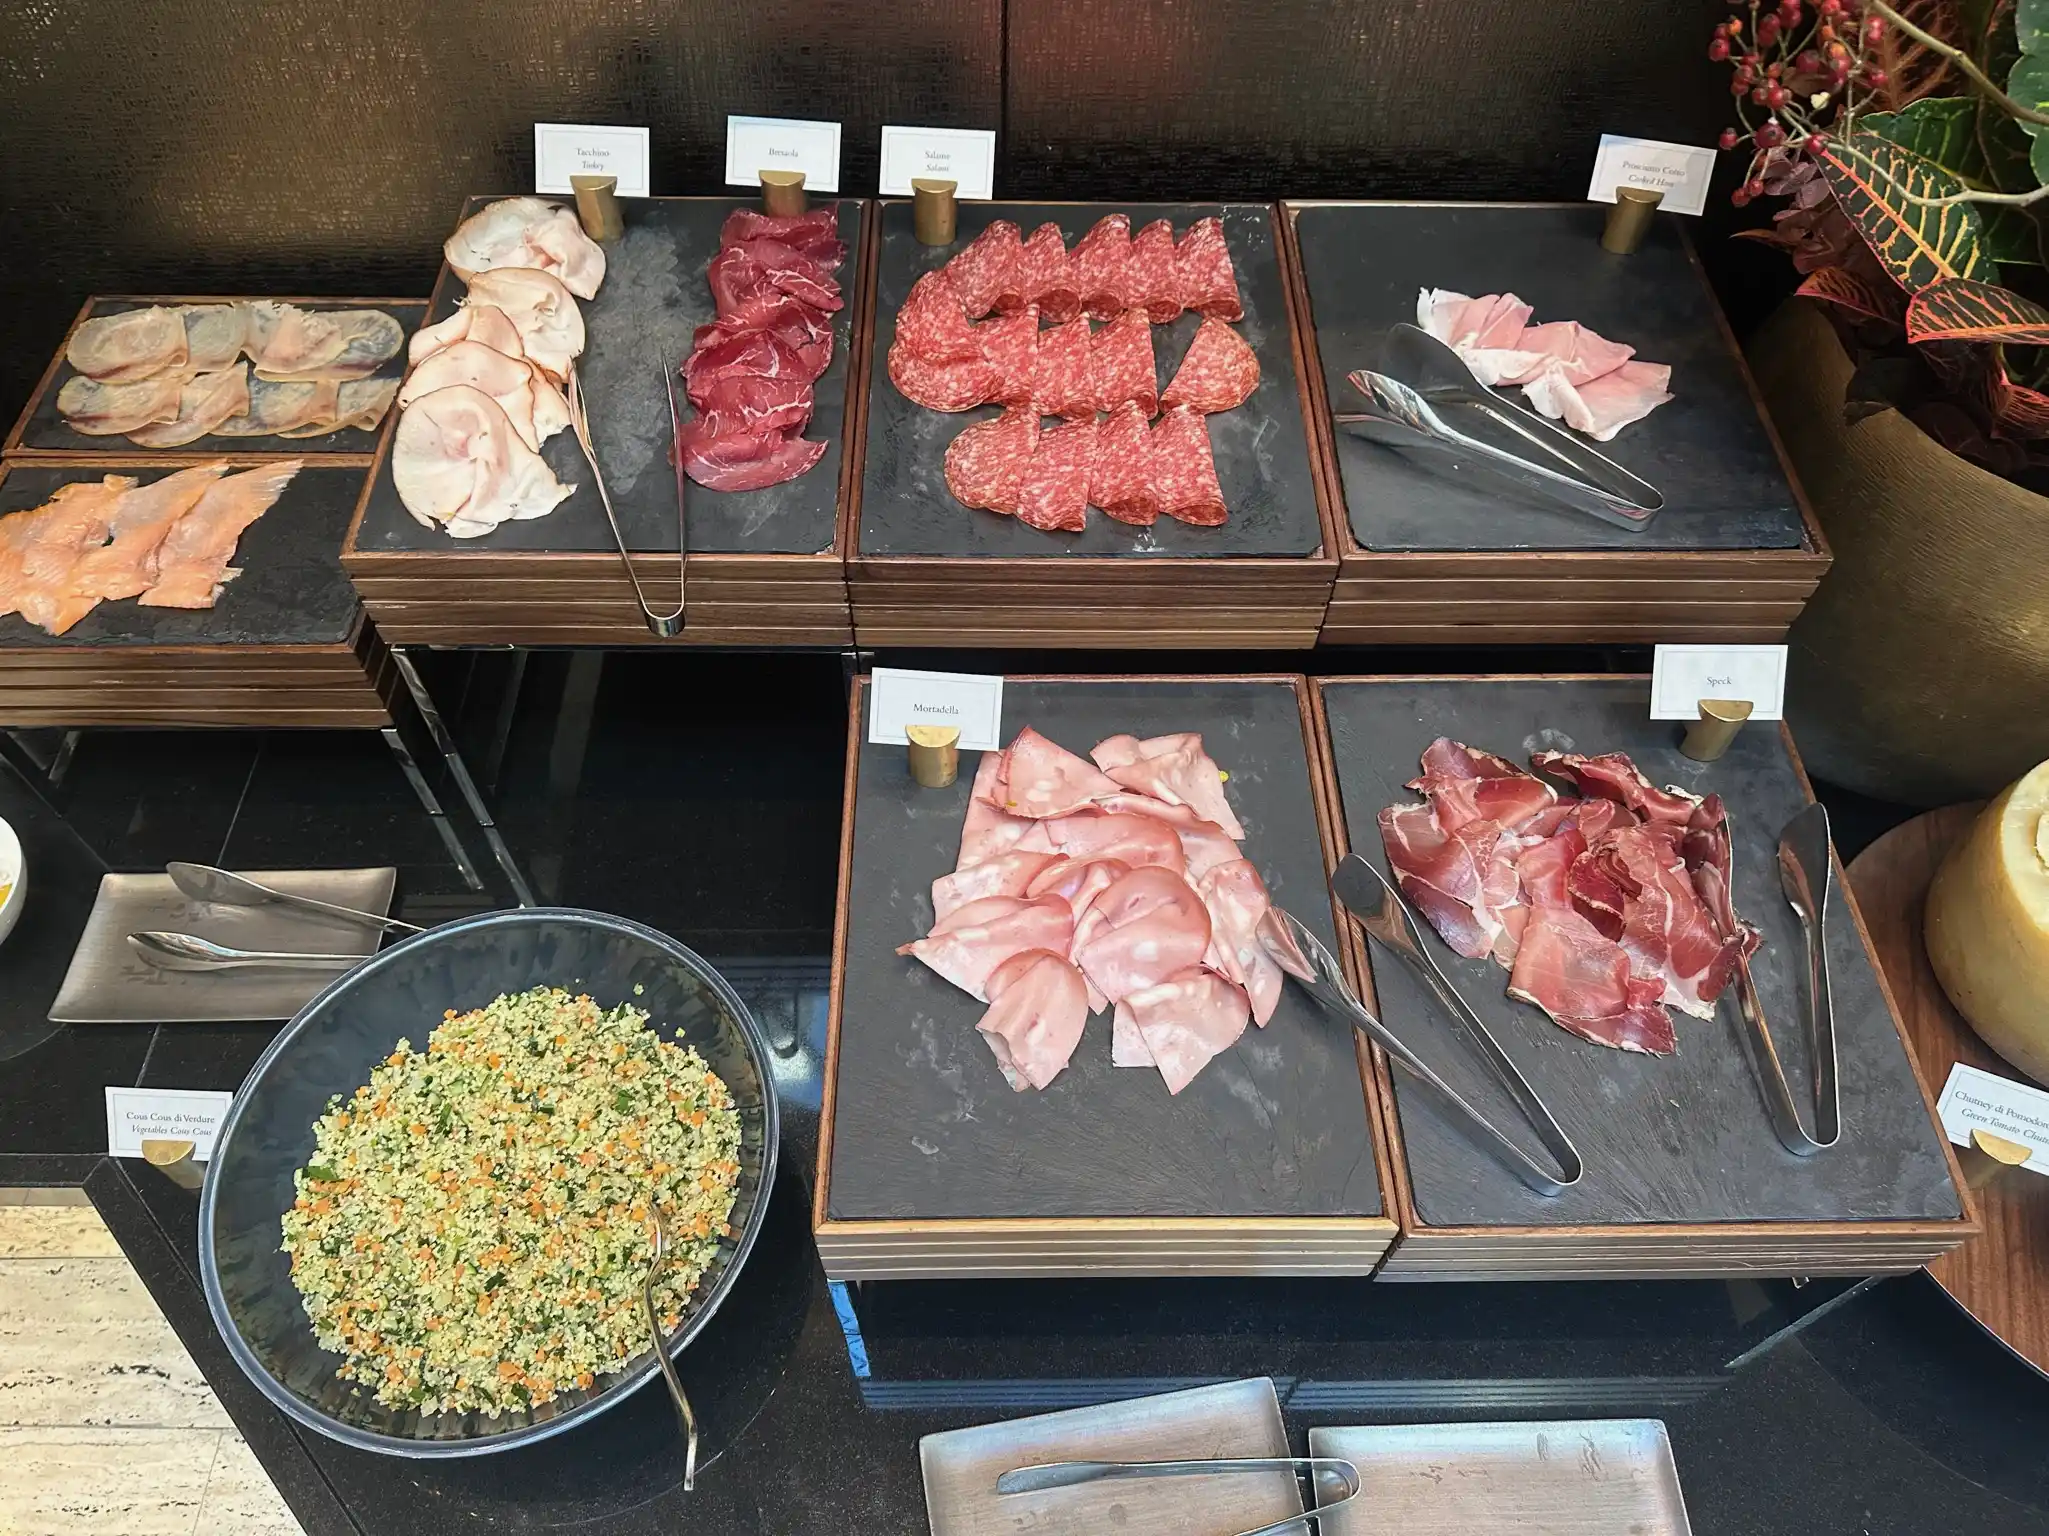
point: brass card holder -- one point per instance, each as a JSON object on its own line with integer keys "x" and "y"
{"x": 934, "y": 752}
{"x": 174, "y": 1158}
{"x": 1987, "y": 1158}
{"x": 1630, "y": 219}
{"x": 1715, "y": 731}
{"x": 597, "y": 206}
{"x": 782, "y": 194}
{"x": 935, "y": 210}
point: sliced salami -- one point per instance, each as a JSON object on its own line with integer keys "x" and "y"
{"x": 1061, "y": 382}
{"x": 1123, "y": 481}
{"x": 985, "y": 272}
{"x": 1217, "y": 373}
{"x": 1056, "y": 486}
{"x": 986, "y": 464}
{"x": 1205, "y": 277}
{"x": 941, "y": 386}
{"x": 1152, "y": 281}
{"x": 1102, "y": 258}
{"x": 1010, "y": 345}
{"x": 1046, "y": 274}
{"x": 1184, "y": 471}
{"x": 933, "y": 326}
{"x": 1121, "y": 364}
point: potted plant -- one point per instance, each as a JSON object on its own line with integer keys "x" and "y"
{"x": 1909, "y": 141}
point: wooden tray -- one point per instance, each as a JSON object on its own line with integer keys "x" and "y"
{"x": 287, "y": 644}
{"x": 1425, "y": 559}
{"x": 1684, "y": 1175}
{"x": 766, "y": 567}
{"x": 930, "y": 1165}
{"x": 2000, "y": 1277}
{"x": 41, "y": 435}
{"x": 925, "y": 570}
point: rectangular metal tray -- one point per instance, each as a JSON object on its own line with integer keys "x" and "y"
{"x": 1559, "y": 1477}
{"x": 1233, "y": 1418}
{"x": 108, "y": 984}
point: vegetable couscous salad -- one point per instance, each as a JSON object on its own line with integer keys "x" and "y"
{"x": 472, "y": 1230}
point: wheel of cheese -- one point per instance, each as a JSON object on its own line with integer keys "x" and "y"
{"x": 1988, "y": 925}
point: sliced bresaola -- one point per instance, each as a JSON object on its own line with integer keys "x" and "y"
{"x": 933, "y": 325}
{"x": 743, "y": 461}
{"x": 1046, "y": 275}
{"x": 1205, "y": 278}
{"x": 1123, "y": 481}
{"x": 985, "y": 272}
{"x": 1102, "y": 259}
{"x": 755, "y": 354}
{"x": 815, "y": 233}
{"x": 1152, "y": 280}
{"x": 974, "y": 940}
{"x": 792, "y": 272}
{"x": 941, "y": 386}
{"x": 1121, "y": 364}
{"x": 806, "y": 331}
{"x": 1061, "y": 382}
{"x": 749, "y": 403}
{"x": 1038, "y": 1007}
{"x": 1218, "y": 372}
{"x": 1184, "y": 471}
{"x": 1186, "y": 1022}
{"x": 1010, "y": 345}
{"x": 1055, "y": 495}
{"x": 986, "y": 464}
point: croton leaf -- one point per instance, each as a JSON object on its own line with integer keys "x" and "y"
{"x": 1981, "y": 147}
{"x": 1959, "y": 309}
{"x": 1921, "y": 244}
{"x": 1840, "y": 286}
{"x": 1939, "y": 128}
{"x": 2028, "y": 82}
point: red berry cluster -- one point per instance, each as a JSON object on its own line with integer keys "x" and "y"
{"x": 1805, "y": 65}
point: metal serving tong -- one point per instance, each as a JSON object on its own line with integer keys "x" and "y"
{"x": 1073, "y": 1474}
{"x": 1421, "y": 395}
{"x": 654, "y": 1323}
{"x": 222, "y": 887}
{"x": 189, "y": 952}
{"x": 664, "y": 626}
{"x": 1377, "y": 907}
{"x": 1805, "y": 869}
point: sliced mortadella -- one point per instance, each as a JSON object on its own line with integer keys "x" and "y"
{"x": 1177, "y": 770}
{"x": 1186, "y": 1021}
{"x": 1078, "y": 882}
{"x": 1044, "y": 779}
{"x": 1007, "y": 874}
{"x": 1139, "y": 841}
{"x": 1038, "y": 1007}
{"x": 989, "y": 829}
{"x": 1205, "y": 845}
{"x": 1238, "y": 902}
{"x": 977, "y": 938}
{"x": 1127, "y": 1045}
{"x": 1149, "y": 925}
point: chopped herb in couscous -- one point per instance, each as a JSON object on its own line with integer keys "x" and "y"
{"x": 472, "y": 1230}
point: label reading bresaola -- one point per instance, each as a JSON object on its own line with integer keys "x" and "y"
{"x": 757, "y": 144}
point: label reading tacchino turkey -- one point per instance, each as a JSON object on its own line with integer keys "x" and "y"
{"x": 563, "y": 150}
{"x": 757, "y": 144}
{"x": 964, "y": 156}
{"x": 969, "y": 700}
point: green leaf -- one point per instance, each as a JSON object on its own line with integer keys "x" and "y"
{"x": 1962, "y": 310}
{"x": 1938, "y": 128}
{"x": 2028, "y": 81}
{"x": 1919, "y": 244}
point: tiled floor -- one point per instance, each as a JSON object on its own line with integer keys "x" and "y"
{"x": 105, "y": 1423}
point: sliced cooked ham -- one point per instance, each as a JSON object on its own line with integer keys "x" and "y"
{"x": 977, "y": 938}
{"x": 1566, "y": 371}
{"x": 1186, "y": 1021}
{"x": 1038, "y": 1007}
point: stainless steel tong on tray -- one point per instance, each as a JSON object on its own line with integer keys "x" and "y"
{"x": 1379, "y": 909}
{"x": 1419, "y": 394}
{"x": 664, "y": 626}
{"x": 1805, "y": 869}
{"x": 1074, "y": 1474}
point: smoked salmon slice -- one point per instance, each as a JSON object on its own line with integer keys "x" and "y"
{"x": 192, "y": 565}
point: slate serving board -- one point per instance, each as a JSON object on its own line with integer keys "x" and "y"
{"x": 292, "y": 590}
{"x": 1261, "y": 448}
{"x": 1706, "y": 449}
{"x": 924, "y": 1125}
{"x": 46, "y": 430}
{"x": 653, "y": 298}
{"x": 1682, "y": 1138}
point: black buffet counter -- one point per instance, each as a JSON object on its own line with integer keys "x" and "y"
{"x": 702, "y": 795}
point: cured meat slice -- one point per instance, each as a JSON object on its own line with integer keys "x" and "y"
{"x": 192, "y": 562}
{"x": 1568, "y": 351}
{"x": 941, "y": 386}
{"x": 1121, "y": 364}
{"x": 1008, "y": 874}
{"x": 1581, "y": 978}
{"x": 1061, "y": 381}
{"x": 100, "y": 409}
{"x": 933, "y": 324}
{"x": 980, "y": 936}
{"x": 728, "y": 460}
{"x": 815, "y": 233}
{"x": 1466, "y": 785}
{"x": 1102, "y": 259}
{"x": 1204, "y": 276}
{"x": 1123, "y": 481}
{"x": 509, "y": 381}
{"x": 214, "y": 334}
{"x": 1152, "y": 281}
{"x": 1184, "y": 473}
{"x": 1203, "y": 847}
{"x": 751, "y": 355}
{"x": 1146, "y": 927}
{"x": 1614, "y": 776}
{"x": 1603, "y": 407}
{"x": 789, "y": 271}
{"x": 1078, "y": 882}
{"x": 985, "y": 272}
{"x": 484, "y": 323}
{"x": 135, "y": 344}
{"x": 288, "y": 343}
{"x": 1127, "y": 1045}
{"x": 1492, "y": 322}
{"x": 1138, "y": 841}
{"x": 459, "y": 464}
{"x": 1041, "y": 778}
{"x": 1217, "y": 373}
{"x": 1046, "y": 275}
{"x": 527, "y": 232}
{"x": 1055, "y": 494}
{"x": 750, "y": 403}
{"x": 544, "y": 313}
{"x": 1461, "y": 879}
{"x": 1238, "y": 903}
{"x": 203, "y": 404}
{"x": 1037, "y": 1010}
{"x": 807, "y": 337}
{"x": 986, "y": 465}
{"x": 1174, "y": 769}
{"x": 1186, "y": 1022}
{"x": 1010, "y": 346}
{"x": 989, "y": 830}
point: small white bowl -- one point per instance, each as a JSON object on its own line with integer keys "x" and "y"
{"x": 14, "y": 875}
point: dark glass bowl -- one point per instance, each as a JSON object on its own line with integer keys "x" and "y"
{"x": 331, "y": 1047}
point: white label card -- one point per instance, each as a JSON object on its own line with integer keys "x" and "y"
{"x": 136, "y": 1115}
{"x": 1978, "y": 1101}
{"x": 1680, "y": 171}
{"x": 757, "y": 144}
{"x": 1683, "y": 675}
{"x": 563, "y": 150}
{"x": 963, "y": 155}
{"x": 973, "y": 702}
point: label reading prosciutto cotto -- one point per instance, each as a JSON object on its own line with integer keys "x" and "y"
{"x": 757, "y": 144}
{"x": 969, "y": 700}
{"x": 1679, "y": 171}
{"x": 964, "y": 156}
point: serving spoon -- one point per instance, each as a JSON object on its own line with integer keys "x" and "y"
{"x": 203, "y": 882}
{"x": 189, "y": 952}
